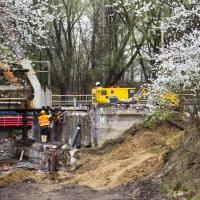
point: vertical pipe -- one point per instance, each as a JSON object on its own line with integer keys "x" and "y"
{"x": 74, "y": 102}
{"x": 77, "y": 132}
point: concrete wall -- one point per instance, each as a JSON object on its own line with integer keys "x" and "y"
{"x": 99, "y": 124}
{"x": 110, "y": 123}
{"x": 71, "y": 120}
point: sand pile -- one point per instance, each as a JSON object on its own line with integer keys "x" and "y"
{"x": 21, "y": 175}
{"x": 138, "y": 156}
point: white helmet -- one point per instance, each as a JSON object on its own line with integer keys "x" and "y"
{"x": 98, "y": 83}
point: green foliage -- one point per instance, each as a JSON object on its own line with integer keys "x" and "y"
{"x": 197, "y": 197}
{"x": 163, "y": 188}
{"x": 159, "y": 115}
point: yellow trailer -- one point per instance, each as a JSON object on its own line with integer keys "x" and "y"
{"x": 111, "y": 95}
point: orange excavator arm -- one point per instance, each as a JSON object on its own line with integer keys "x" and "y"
{"x": 8, "y": 74}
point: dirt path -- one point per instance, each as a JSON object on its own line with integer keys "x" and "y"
{"x": 145, "y": 190}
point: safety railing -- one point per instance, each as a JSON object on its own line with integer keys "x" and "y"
{"x": 86, "y": 100}
{"x": 71, "y": 100}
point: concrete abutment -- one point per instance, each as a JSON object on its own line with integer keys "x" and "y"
{"x": 99, "y": 125}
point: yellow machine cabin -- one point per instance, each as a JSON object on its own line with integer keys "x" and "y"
{"x": 111, "y": 95}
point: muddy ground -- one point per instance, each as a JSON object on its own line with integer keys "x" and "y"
{"x": 26, "y": 190}
{"x": 126, "y": 169}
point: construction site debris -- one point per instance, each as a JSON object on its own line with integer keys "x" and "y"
{"x": 6, "y": 149}
{"x": 138, "y": 156}
{"x": 26, "y": 165}
{"x": 123, "y": 169}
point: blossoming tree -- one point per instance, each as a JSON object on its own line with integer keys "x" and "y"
{"x": 179, "y": 68}
{"x": 23, "y": 21}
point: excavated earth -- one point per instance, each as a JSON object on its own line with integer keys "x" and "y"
{"x": 126, "y": 168}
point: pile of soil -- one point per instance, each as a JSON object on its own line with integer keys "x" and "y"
{"x": 138, "y": 156}
{"x": 181, "y": 171}
{"x": 21, "y": 175}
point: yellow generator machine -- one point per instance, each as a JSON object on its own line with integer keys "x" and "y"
{"x": 111, "y": 95}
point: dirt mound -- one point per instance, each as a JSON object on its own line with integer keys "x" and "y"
{"x": 138, "y": 156}
{"x": 181, "y": 171}
{"x": 21, "y": 175}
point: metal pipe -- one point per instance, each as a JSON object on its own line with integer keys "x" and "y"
{"x": 71, "y": 95}
{"x": 75, "y": 136}
{"x": 10, "y": 103}
{"x": 10, "y": 99}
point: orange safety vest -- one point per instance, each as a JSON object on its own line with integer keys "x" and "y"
{"x": 43, "y": 120}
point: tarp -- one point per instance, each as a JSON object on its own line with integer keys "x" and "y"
{"x": 14, "y": 121}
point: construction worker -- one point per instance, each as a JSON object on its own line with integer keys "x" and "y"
{"x": 44, "y": 125}
{"x": 97, "y": 85}
{"x": 57, "y": 120}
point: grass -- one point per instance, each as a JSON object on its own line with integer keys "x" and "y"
{"x": 197, "y": 197}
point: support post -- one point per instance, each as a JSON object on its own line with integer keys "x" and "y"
{"x": 24, "y": 127}
{"x": 74, "y": 102}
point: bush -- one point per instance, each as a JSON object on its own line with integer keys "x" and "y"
{"x": 159, "y": 115}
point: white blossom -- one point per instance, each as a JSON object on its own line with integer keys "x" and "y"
{"x": 179, "y": 68}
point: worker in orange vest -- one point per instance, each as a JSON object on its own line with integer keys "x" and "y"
{"x": 44, "y": 125}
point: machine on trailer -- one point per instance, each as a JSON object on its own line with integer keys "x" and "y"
{"x": 111, "y": 95}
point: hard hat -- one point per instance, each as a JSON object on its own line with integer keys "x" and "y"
{"x": 42, "y": 112}
{"x": 97, "y": 83}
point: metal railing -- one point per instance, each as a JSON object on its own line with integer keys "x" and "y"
{"x": 86, "y": 100}
{"x": 71, "y": 100}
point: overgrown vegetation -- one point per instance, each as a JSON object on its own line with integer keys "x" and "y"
{"x": 159, "y": 115}
{"x": 181, "y": 170}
